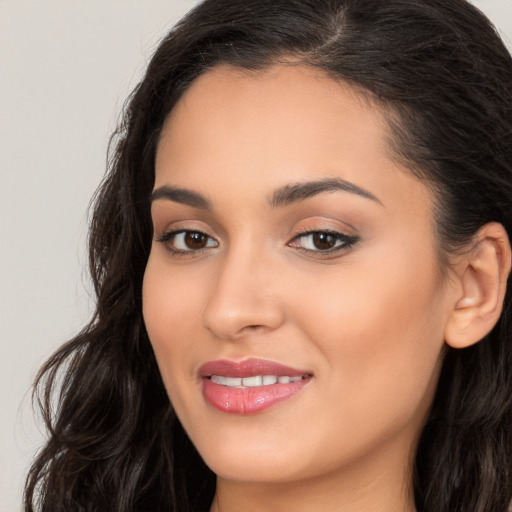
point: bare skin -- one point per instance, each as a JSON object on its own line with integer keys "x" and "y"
{"x": 342, "y": 281}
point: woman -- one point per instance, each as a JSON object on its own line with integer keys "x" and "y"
{"x": 303, "y": 246}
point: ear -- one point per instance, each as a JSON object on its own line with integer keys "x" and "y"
{"x": 482, "y": 276}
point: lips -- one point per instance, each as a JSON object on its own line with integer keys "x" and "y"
{"x": 250, "y": 386}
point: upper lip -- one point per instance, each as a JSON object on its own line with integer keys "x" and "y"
{"x": 248, "y": 368}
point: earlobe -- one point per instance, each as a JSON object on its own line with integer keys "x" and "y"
{"x": 482, "y": 273}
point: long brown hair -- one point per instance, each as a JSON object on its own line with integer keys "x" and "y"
{"x": 445, "y": 79}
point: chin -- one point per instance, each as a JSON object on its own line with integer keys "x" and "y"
{"x": 252, "y": 470}
{"x": 253, "y": 458}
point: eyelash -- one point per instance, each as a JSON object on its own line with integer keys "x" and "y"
{"x": 167, "y": 238}
{"x": 345, "y": 242}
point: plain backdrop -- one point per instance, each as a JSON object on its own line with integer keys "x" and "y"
{"x": 66, "y": 67}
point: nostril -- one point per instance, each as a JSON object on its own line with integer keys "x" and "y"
{"x": 254, "y": 328}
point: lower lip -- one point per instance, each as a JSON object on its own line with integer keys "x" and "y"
{"x": 251, "y": 399}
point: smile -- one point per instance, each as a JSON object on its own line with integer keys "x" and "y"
{"x": 249, "y": 386}
{"x": 255, "y": 381}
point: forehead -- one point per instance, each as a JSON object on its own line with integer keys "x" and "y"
{"x": 303, "y": 100}
{"x": 286, "y": 124}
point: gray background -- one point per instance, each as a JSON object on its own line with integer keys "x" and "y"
{"x": 66, "y": 66}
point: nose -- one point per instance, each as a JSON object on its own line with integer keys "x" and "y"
{"x": 244, "y": 298}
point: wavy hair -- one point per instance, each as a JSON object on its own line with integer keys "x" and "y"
{"x": 444, "y": 78}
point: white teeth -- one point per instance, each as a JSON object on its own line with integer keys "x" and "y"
{"x": 269, "y": 379}
{"x": 218, "y": 379}
{"x": 233, "y": 381}
{"x": 254, "y": 381}
{"x": 250, "y": 382}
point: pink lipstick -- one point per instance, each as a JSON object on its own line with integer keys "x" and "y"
{"x": 249, "y": 386}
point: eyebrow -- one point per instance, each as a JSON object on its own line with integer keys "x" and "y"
{"x": 281, "y": 197}
{"x": 301, "y": 191}
{"x": 182, "y": 196}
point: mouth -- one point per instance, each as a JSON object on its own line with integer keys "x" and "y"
{"x": 255, "y": 381}
{"x": 250, "y": 386}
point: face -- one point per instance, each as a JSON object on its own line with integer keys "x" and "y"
{"x": 293, "y": 295}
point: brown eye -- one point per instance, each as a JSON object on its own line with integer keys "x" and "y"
{"x": 195, "y": 240}
{"x": 186, "y": 241}
{"x": 324, "y": 241}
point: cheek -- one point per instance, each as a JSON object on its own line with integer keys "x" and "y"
{"x": 380, "y": 327}
{"x": 169, "y": 299}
